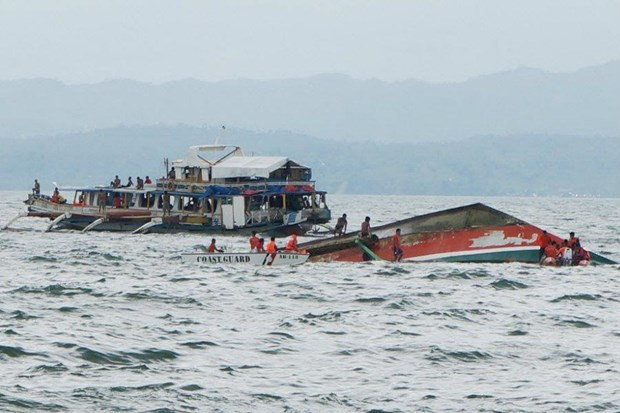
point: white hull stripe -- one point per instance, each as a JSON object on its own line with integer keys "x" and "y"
{"x": 443, "y": 255}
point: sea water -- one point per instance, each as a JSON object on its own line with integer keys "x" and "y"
{"x": 114, "y": 321}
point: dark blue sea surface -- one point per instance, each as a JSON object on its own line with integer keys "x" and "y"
{"x": 110, "y": 321}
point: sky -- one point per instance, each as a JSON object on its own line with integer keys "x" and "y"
{"x": 430, "y": 40}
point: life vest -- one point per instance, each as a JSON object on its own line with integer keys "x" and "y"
{"x": 271, "y": 247}
{"x": 211, "y": 248}
{"x": 291, "y": 245}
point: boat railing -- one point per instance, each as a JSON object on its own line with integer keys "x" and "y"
{"x": 263, "y": 216}
{"x": 171, "y": 183}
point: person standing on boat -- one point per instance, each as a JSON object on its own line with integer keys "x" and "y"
{"x": 36, "y": 190}
{"x": 291, "y": 245}
{"x": 165, "y": 204}
{"x": 102, "y": 199}
{"x": 366, "y": 232}
{"x": 172, "y": 174}
{"x": 212, "y": 248}
{"x": 272, "y": 248}
{"x": 341, "y": 226}
{"x": 396, "y": 247}
{"x": 56, "y": 196}
{"x": 253, "y": 242}
{"x": 139, "y": 183}
{"x": 117, "y": 201}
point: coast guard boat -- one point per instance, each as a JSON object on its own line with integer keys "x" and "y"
{"x": 214, "y": 189}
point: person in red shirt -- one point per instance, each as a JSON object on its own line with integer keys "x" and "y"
{"x": 212, "y": 248}
{"x": 253, "y": 242}
{"x": 396, "y": 249}
{"x": 291, "y": 245}
{"x": 272, "y": 248}
{"x": 117, "y": 201}
{"x": 147, "y": 180}
{"x": 260, "y": 247}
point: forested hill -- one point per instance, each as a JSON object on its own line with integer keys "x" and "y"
{"x": 585, "y": 102}
{"x": 486, "y": 165}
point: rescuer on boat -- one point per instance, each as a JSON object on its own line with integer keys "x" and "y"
{"x": 272, "y": 248}
{"x": 254, "y": 242}
{"x": 565, "y": 254}
{"x": 291, "y": 245}
{"x": 212, "y": 248}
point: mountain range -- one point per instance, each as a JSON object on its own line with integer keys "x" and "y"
{"x": 517, "y": 102}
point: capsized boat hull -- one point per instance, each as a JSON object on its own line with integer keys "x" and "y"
{"x": 473, "y": 233}
{"x": 256, "y": 259}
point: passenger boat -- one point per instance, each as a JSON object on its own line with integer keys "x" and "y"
{"x": 472, "y": 233}
{"x": 224, "y": 259}
{"x": 215, "y": 189}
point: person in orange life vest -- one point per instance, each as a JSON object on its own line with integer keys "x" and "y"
{"x": 543, "y": 241}
{"x": 396, "y": 249}
{"x": 260, "y": 247}
{"x": 551, "y": 251}
{"x": 117, "y": 201}
{"x": 291, "y": 245}
{"x": 271, "y": 246}
{"x": 253, "y": 242}
{"x": 212, "y": 248}
{"x": 572, "y": 241}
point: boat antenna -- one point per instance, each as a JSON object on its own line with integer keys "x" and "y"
{"x": 220, "y": 135}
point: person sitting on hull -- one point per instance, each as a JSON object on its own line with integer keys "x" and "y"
{"x": 291, "y": 245}
{"x": 396, "y": 246}
{"x": 213, "y": 248}
{"x": 116, "y": 182}
{"x": 129, "y": 183}
{"x": 366, "y": 231}
{"x": 147, "y": 180}
{"x": 36, "y": 190}
{"x": 341, "y": 226}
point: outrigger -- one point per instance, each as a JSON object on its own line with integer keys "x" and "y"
{"x": 215, "y": 189}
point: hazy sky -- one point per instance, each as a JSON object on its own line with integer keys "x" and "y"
{"x": 89, "y": 41}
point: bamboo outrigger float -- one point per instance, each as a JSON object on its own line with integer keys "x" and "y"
{"x": 472, "y": 233}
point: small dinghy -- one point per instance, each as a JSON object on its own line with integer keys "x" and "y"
{"x": 235, "y": 258}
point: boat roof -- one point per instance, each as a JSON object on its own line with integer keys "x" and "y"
{"x": 248, "y": 166}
